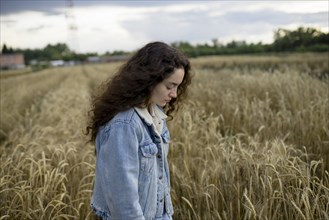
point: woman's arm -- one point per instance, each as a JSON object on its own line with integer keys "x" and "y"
{"x": 119, "y": 162}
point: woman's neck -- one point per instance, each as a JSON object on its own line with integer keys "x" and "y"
{"x": 150, "y": 109}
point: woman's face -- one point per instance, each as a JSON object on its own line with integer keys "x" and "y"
{"x": 167, "y": 89}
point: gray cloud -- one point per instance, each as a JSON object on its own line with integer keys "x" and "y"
{"x": 172, "y": 26}
{"x": 38, "y": 28}
{"x": 320, "y": 17}
{"x": 275, "y": 17}
{"x": 98, "y": 29}
{"x": 201, "y": 25}
{"x": 8, "y": 22}
{"x": 18, "y": 6}
{"x": 53, "y": 7}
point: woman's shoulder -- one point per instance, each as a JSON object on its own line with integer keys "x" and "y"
{"x": 122, "y": 123}
{"x": 125, "y": 117}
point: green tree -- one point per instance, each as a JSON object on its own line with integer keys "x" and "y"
{"x": 56, "y": 52}
{"x": 186, "y": 48}
{"x": 302, "y": 37}
{"x": 4, "y": 49}
{"x": 7, "y": 50}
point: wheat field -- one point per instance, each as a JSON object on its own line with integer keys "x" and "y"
{"x": 251, "y": 140}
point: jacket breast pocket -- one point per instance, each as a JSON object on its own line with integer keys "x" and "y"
{"x": 148, "y": 155}
{"x": 166, "y": 139}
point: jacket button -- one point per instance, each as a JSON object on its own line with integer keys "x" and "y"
{"x": 160, "y": 177}
{"x": 159, "y": 155}
{"x": 161, "y": 200}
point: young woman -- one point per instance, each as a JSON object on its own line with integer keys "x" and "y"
{"x": 128, "y": 126}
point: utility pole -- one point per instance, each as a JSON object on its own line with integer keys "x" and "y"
{"x": 72, "y": 28}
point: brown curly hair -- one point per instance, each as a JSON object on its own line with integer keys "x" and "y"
{"x": 132, "y": 85}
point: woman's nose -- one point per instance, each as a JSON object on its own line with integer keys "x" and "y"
{"x": 173, "y": 94}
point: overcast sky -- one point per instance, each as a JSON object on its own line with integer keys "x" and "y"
{"x": 127, "y": 25}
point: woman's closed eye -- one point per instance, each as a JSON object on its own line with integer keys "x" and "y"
{"x": 171, "y": 85}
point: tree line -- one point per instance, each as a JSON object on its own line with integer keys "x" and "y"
{"x": 303, "y": 39}
{"x": 299, "y": 40}
{"x": 59, "y": 51}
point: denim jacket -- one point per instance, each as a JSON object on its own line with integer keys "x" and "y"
{"x": 132, "y": 177}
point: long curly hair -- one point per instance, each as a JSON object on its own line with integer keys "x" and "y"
{"x": 132, "y": 85}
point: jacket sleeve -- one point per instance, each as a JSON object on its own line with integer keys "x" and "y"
{"x": 119, "y": 157}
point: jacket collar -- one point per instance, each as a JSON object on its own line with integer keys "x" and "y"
{"x": 144, "y": 113}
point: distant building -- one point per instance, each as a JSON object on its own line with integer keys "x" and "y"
{"x": 108, "y": 59}
{"x": 12, "y": 61}
{"x": 94, "y": 59}
{"x": 56, "y": 63}
{"x": 116, "y": 58}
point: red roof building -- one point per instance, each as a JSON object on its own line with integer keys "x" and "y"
{"x": 12, "y": 61}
